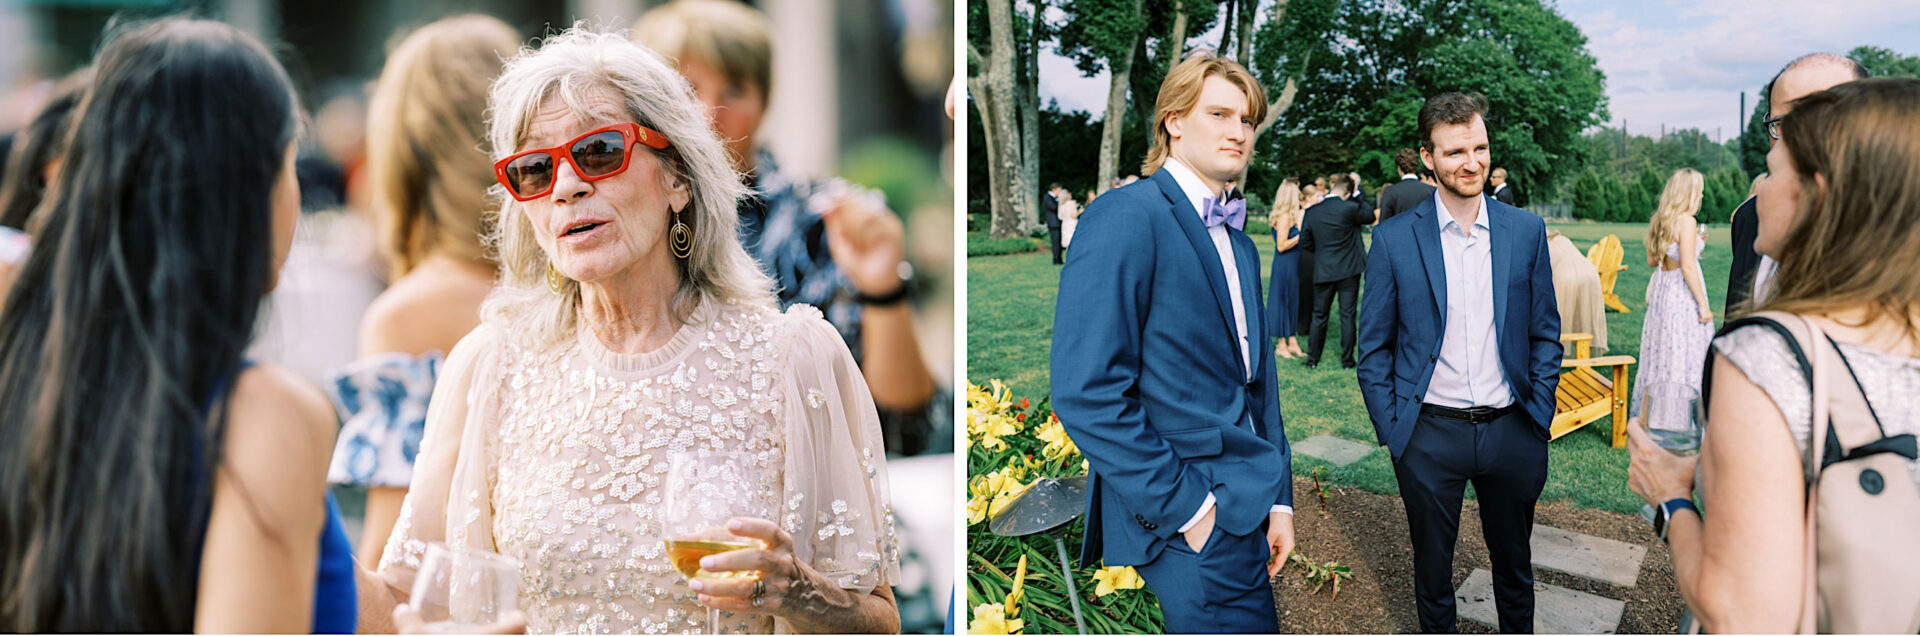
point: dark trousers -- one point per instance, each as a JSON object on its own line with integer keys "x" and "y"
{"x": 1506, "y": 461}
{"x": 1053, "y": 237}
{"x": 1349, "y": 290}
{"x": 1223, "y": 589}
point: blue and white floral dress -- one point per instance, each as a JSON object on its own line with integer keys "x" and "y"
{"x": 383, "y": 402}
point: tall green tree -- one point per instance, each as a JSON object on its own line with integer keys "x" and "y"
{"x": 1365, "y": 82}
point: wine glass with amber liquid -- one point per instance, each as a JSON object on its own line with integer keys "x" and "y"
{"x": 706, "y": 489}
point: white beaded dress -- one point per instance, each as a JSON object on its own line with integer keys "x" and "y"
{"x": 557, "y": 457}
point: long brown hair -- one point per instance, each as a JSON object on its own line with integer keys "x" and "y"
{"x": 122, "y": 337}
{"x": 1855, "y": 240}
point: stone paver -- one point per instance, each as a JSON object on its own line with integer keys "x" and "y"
{"x": 1334, "y": 450}
{"x": 1556, "y": 610}
{"x": 1588, "y": 556}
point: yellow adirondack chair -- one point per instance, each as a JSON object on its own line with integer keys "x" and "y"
{"x": 1608, "y": 257}
{"x": 1585, "y": 394}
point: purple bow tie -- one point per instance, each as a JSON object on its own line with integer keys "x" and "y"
{"x": 1232, "y": 213}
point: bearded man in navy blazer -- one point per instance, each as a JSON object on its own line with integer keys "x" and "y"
{"x": 1161, "y": 370}
{"x": 1459, "y": 357}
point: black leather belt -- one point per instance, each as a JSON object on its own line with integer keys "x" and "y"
{"x": 1477, "y": 415}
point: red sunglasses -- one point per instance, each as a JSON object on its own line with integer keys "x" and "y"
{"x": 602, "y": 152}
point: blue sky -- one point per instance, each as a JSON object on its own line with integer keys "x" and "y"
{"x": 1682, "y": 63}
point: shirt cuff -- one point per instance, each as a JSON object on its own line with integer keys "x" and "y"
{"x": 1281, "y": 508}
{"x": 1199, "y": 514}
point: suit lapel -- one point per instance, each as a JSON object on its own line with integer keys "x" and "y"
{"x": 1203, "y": 249}
{"x": 1426, "y": 235}
{"x": 1247, "y": 259}
{"x": 1502, "y": 242}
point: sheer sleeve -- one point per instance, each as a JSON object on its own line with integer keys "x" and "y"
{"x": 836, "y": 502}
{"x": 453, "y": 473}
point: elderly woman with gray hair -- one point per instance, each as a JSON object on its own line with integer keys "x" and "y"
{"x": 630, "y": 325}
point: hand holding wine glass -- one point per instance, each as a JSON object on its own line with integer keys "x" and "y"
{"x": 1664, "y": 444}
{"x": 706, "y": 492}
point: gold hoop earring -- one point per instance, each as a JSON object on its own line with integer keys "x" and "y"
{"x": 682, "y": 237}
{"x": 555, "y": 281}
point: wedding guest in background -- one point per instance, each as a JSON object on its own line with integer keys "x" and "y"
{"x": 619, "y": 260}
{"x": 1310, "y": 195}
{"x": 428, "y": 172}
{"x": 1359, "y": 194}
{"x": 1576, "y": 287}
{"x": 1679, "y": 320}
{"x": 1462, "y": 368}
{"x": 1283, "y": 282}
{"x": 1805, "y": 75}
{"x": 1331, "y": 231}
{"x": 29, "y": 170}
{"x": 1409, "y": 191}
{"x": 1050, "y": 208}
{"x": 843, "y": 253}
{"x": 1502, "y": 191}
{"x": 1069, "y": 217}
{"x": 157, "y": 481}
{"x": 1842, "y": 195}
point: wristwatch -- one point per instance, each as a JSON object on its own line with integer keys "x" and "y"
{"x": 1666, "y": 511}
{"x": 899, "y": 294}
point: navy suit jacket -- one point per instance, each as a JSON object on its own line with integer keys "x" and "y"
{"x": 1404, "y": 311}
{"x": 1148, "y": 381}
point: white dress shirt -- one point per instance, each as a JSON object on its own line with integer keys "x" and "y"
{"x": 1197, "y": 194}
{"x": 1468, "y": 373}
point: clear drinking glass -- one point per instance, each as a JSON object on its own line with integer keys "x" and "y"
{"x": 1671, "y": 413}
{"x": 705, "y": 489}
{"x": 462, "y": 591}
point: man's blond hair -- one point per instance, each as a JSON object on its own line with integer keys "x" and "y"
{"x": 1180, "y": 93}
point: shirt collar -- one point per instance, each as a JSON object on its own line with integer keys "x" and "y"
{"x": 1446, "y": 218}
{"x": 1190, "y": 185}
{"x": 1406, "y": 177}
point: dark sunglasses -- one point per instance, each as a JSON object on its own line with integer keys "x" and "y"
{"x": 600, "y": 153}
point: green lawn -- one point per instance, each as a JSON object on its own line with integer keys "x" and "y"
{"x": 1010, "y": 302}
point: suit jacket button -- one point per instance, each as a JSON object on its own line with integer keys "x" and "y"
{"x": 1151, "y": 527}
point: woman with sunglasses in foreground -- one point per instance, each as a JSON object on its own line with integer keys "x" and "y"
{"x": 629, "y": 327}
{"x": 154, "y": 481}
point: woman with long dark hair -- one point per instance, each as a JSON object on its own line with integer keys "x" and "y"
{"x": 154, "y": 480}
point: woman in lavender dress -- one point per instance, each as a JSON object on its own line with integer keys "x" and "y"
{"x": 1679, "y": 324}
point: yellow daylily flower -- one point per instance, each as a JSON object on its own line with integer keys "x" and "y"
{"x": 977, "y": 509}
{"x": 1019, "y": 588}
{"x": 1115, "y": 579}
{"x": 991, "y": 618}
{"x": 1058, "y": 443}
{"x": 994, "y": 427}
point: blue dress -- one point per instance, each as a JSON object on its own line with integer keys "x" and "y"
{"x": 1283, "y": 288}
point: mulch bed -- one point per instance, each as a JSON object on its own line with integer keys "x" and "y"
{"x": 1368, "y": 532}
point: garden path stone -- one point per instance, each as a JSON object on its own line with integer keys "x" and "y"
{"x": 1334, "y": 450}
{"x": 1588, "y": 556}
{"x": 1556, "y": 610}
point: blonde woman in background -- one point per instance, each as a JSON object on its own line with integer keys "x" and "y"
{"x": 1069, "y": 216}
{"x": 1679, "y": 322}
{"x": 429, "y": 172}
{"x": 1283, "y": 281}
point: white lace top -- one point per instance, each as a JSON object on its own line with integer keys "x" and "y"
{"x": 557, "y": 457}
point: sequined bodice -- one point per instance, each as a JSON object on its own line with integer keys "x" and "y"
{"x": 561, "y": 457}
{"x": 582, "y": 461}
